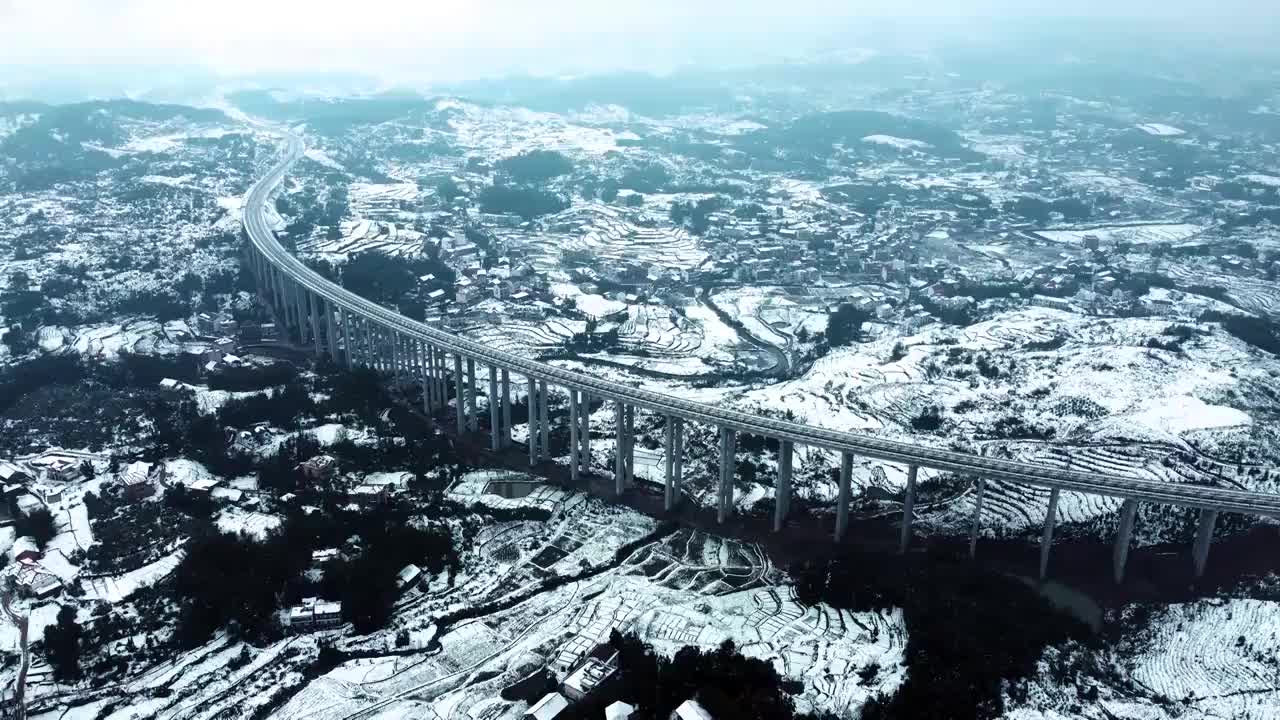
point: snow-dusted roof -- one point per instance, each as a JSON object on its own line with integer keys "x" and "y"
{"x": 549, "y": 707}
{"x": 691, "y": 710}
{"x": 409, "y": 573}
{"x": 24, "y": 544}
{"x": 619, "y": 711}
{"x": 135, "y": 473}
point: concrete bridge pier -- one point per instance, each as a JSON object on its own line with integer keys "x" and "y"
{"x": 584, "y": 433}
{"x": 908, "y": 508}
{"x": 397, "y": 357}
{"x": 506, "y": 408}
{"x": 619, "y": 461}
{"x": 314, "y": 301}
{"x": 442, "y": 379}
{"x": 459, "y": 395}
{"x": 495, "y": 411}
{"x": 846, "y": 495}
{"x": 357, "y": 340}
{"x": 575, "y": 444}
{"x": 298, "y": 322}
{"x": 473, "y": 422}
{"x": 351, "y": 338}
{"x": 728, "y": 468}
{"x": 331, "y": 330}
{"x": 1046, "y": 539}
{"x": 533, "y": 421}
{"x": 428, "y": 378}
{"x": 346, "y": 338}
{"x": 544, "y": 419}
{"x": 782, "y": 491}
{"x": 1204, "y": 538}
{"x": 282, "y": 317}
{"x": 629, "y": 456}
{"x": 677, "y": 459}
{"x": 668, "y": 464}
{"x": 1120, "y": 555}
{"x": 979, "y": 486}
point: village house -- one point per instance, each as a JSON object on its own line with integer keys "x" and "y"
{"x": 56, "y": 468}
{"x": 550, "y": 707}
{"x": 320, "y": 468}
{"x": 314, "y": 614}
{"x": 138, "y": 479}
{"x": 589, "y": 677}
{"x": 408, "y": 575}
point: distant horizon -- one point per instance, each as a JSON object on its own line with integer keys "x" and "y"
{"x": 130, "y": 48}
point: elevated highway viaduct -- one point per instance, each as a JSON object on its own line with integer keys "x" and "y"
{"x": 359, "y": 332}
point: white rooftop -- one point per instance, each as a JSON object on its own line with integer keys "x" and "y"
{"x": 549, "y": 707}
{"x": 619, "y": 711}
{"x": 691, "y": 710}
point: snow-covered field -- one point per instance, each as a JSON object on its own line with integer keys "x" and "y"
{"x": 688, "y": 589}
{"x": 1190, "y": 661}
{"x": 896, "y": 142}
{"x": 1152, "y": 233}
{"x": 1161, "y": 130}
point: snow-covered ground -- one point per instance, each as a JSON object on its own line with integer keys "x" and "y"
{"x": 1190, "y": 661}
{"x": 896, "y": 142}
{"x": 1161, "y": 130}
{"x": 1146, "y": 233}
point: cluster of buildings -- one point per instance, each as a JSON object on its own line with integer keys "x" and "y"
{"x": 363, "y": 491}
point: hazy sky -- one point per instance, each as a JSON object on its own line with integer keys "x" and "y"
{"x": 450, "y": 39}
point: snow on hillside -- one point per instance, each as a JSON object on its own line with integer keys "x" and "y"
{"x": 766, "y": 624}
{"x": 1260, "y": 179}
{"x": 1101, "y": 386}
{"x": 1189, "y": 661}
{"x": 1145, "y": 233}
{"x": 117, "y": 588}
{"x": 1161, "y": 130}
{"x": 897, "y": 142}
{"x": 502, "y": 131}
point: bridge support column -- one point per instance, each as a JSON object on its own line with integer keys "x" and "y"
{"x": 286, "y": 307}
{"x": 728, "y": 469}
{"x": 845, "y": 497}
{"x": 459, "y": 395}
{"x": 619, "y": 464}
{"x": 298, "y": 314}
{"x": 677, "y": 459}
{"x": 506, "y": 408}
{"x": 1046, "y": 539}
{"x": 304, "y": 315}
{"x": 1120, "y": 555}
{"x": 630, "y": 456}
{"x": 585, "y": 434}
{"x": 315, "y": 321}
{"x": 331, "y": 330}
{"x": 544, "y": 419}
{"x": 473, "y": 422}
{"x": 908, "y": 508}
{"x": 979, "y": 486}
{"x": 439, "y": 399}
{"x": 495, "y": 411}
{"x": 533, "y": 421}
{"x": 782, "y": 491}
{"x": 397, "y": 357}
{"x": 428, "y": 378}
{"x": 346, "y": 337}
{"x": 367, "y": 348}
{"x": 276, "y": 297}
{"x": 1204, "y": 538}
{"x": 575, "y": 449}
{"x": 668, "y": 465}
